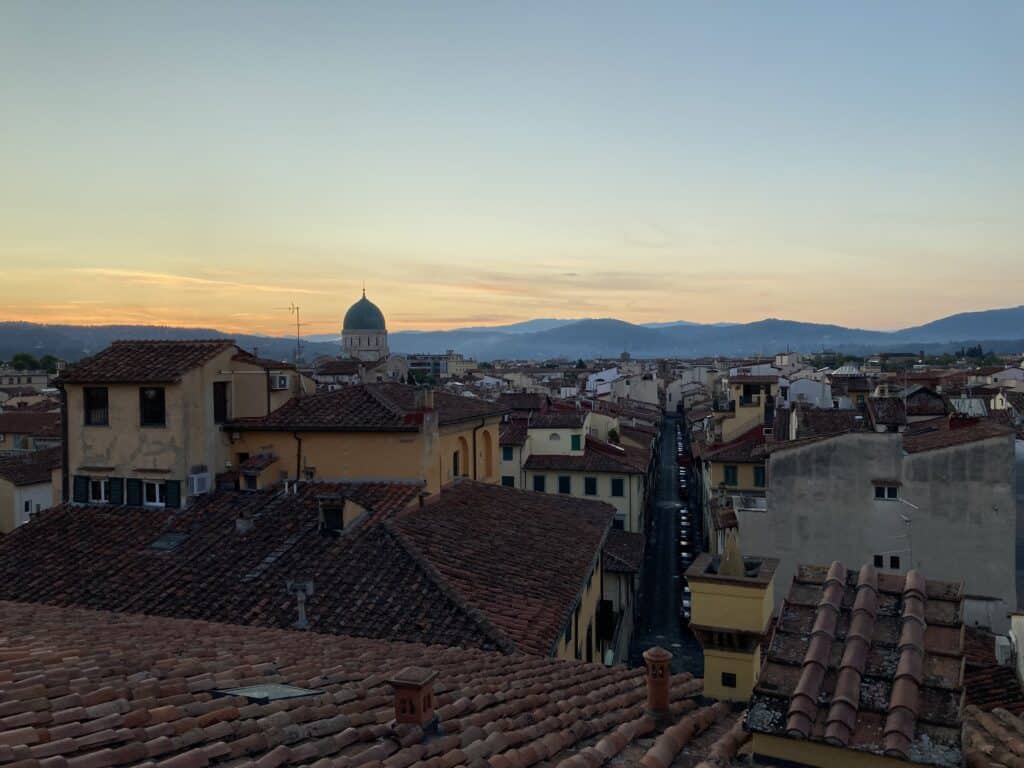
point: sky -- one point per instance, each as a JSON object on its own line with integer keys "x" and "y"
{"x": 211, "y": 164}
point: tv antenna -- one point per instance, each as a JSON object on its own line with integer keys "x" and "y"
{"x": 293, "y": 309}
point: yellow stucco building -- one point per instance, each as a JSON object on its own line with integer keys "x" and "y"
{"x": 142, "y": 419}
{"x": 370, "y": 431}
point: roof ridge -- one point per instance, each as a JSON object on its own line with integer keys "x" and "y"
{"x": 373, "y": 390}
{"x": 502, "y": 640}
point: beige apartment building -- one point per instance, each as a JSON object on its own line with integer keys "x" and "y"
{"x": 142, "y": 419}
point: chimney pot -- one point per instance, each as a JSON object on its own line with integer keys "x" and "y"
{"x": 414, "y": 696}
{"x": 658, "y": 662}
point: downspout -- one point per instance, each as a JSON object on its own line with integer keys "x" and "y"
{"x": 64, "y": 451}
{"x": 298, "y": 455}
{"x": 478, "y": 426}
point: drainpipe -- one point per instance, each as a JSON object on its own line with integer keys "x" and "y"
{"x": 478, "y": 426}
{"x": 64, "y": 451}
{"x": 298, "y": 455}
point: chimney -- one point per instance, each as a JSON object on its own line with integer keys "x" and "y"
{"x": 414, "y": 696}
{"x": 658, "y": 661}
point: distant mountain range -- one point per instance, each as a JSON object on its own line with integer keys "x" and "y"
{"x": 1001, "y": 330}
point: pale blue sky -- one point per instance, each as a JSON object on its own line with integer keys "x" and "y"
{"x": 204, "y": 163}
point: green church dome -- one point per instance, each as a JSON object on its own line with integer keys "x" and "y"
{"x": 364, "y": 315}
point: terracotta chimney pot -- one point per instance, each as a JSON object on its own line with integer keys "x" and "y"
{"x": 414, "y": 695}
{"x": 659, "y": 672}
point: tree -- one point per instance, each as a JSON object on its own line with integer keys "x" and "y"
{"x": 486, "y": 367}
{"x": 580, "y": 365}
{"x": 23, "y": 361}
{"x": 613, "y": 435}
{"x": 48, "y": 363}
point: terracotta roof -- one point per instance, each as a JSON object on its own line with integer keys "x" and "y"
{"x": 623, "y": 552}
{"x": 450, "y": 408}
{"x": 513, "y": 433}
{"x": 271, "y": 365}
{"x": 196, "y": 564}
{"x": 86, "y": 689}
{"x": 817, "y": 422}
{"x": 144, "y": 362}
{"x": 33, "y": 423}
{"x": 745, "y": 448}
{"x": 596, "y": 457}
{"x": 557, "y": 420}
{"x": 16, "y": 390}
{"x": 527, "y": 579}
{"x": 338, "y": 368}
{"x": 524, "y": 401}
{"x": 947, "y": 438}
{"x": 993, "y": 738}
{"x": 922, "y": 401}
{"x": 350, "y": 409}
{"x": 987, "y": 683}
{"x": 748, "y": 379}
{"x": 257, "y": 462}
{"x": 30, "y": 467}
{"x": 866, "y": 660}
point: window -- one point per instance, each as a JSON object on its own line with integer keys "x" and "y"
{"x": 879, "y": 561}
{"x": 220, "y": 402}
{"x": 619, "y": 524}
{"x": 455, "y": 464}
{"x": 732, "y": 474}
{"x": 576, "y": 442}
{"x": 538, "y": 483}
{"x": 618, "y": 487}
{"x": 28, "y": 507}
{"x": 506, "y": 453}
{"x": 154, "y": 493}
{"x": 554, "y": 436}
{"x": 250, "y": 482}
{"x": 887, "y": 492}
{"x": 590, "y": 486}
{"x": 564, "y": 484}
{"x": 151, "y": 407}
{"x": 894, "y": 562}
{"x": 508, "y": 481}
{"x": 728, "y": 680}
{"x": 99, "y": 491}
{"x": 759, "y": 477}
{"x": 97, "y": 413}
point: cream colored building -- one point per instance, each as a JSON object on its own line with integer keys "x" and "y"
{"x": 143, "y": 417}
{"x": 27, "y": 485}
{"x": 372, "y": 431}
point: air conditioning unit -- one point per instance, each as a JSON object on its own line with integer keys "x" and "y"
{"x": 198, "y": 484}
{"x": 278, "y": 382}
{"x": 1004, "y": 651}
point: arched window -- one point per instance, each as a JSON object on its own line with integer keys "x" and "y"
{"x": 488, "y": 448}
{"x": 554, "y": 436}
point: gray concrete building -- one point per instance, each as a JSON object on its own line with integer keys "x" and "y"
{"x": 942, "y": 501}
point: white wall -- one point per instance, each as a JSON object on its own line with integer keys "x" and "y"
{"x": 39, "y": 496}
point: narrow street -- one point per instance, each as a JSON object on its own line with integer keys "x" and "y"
{"x": 661, "y": 586}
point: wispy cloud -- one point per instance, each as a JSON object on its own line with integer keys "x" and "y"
{"x": 140, "y": 277}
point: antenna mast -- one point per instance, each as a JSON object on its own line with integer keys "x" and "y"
{"x": 293, "y": 308}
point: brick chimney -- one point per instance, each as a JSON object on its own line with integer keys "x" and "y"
{"x": 657, "y": 661}
{"x": 414, "y": 696}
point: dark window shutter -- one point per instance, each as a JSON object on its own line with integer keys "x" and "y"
{"x": 80, "y": 494}
{"x": 134, "y": 492}
{"x": 117, "y": 491}
{"x": 173, "y": 497}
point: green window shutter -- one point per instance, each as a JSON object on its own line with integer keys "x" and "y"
{"x": 133, "y": 487}
{"x": 117, "y": 491}
{"x": 575, "y": 442}
{"x": 80, "y": 490}
{"x": 173, "y": 497}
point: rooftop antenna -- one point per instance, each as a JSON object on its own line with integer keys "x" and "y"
{"x": 293, "y": 308}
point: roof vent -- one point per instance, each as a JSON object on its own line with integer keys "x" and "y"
{"x": 168, "y": 541}
{"x": 266, "y": 693}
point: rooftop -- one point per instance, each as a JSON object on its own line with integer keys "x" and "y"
{"x": 367, "y": 408}
{"x": 30, "y": 422}
{"x": 85, "y": 689}
{"x": 144, "y": 362}
{"x": 527, "y": 580}
{"x": 557, "y": 420}
{"x": 597, "y": 456}
{"x": 868, "y": 661}
{"x": 30, "y": 467}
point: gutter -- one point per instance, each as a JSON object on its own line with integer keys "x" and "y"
{"x": 298, "y": 455}
{"x": 483, "y": 423}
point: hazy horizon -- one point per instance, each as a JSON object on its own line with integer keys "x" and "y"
{"x": 206, "y": 165}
